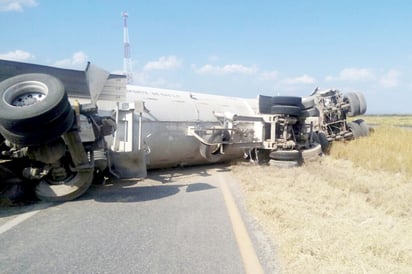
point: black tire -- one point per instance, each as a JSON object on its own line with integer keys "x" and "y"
{"x": 212, "y": 153}
{"x": 355, "y": 129}
{"x": 265, "y": 103}
{"x": 353, "y": 101}
{"x": 308, "y": 102}
{"x": 19, "y": 110}
{"x": 287, "y": 101}
{"x": 312, "y": 112}
{"x": 362, "y": 103}
{"x": 260, "y": 156}
{"x": 324, "y": 143}
{"x": 44, "y": 134}
{"x": 312, "y": 153}
{"x": 364, "y": 128}
{"x": 67, "y": 190}
{"x": 285, "y": 155}
{"x": 286, "y": 110}
{"x": 314, "y": 138}
{"x": 284, "y": 164}
{"x": 34, "y": 109}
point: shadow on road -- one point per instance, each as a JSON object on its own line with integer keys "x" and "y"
{"x": 135, "y": 190}
{"x": 169, "y": 175}
{"x": 161, "y": 185}
{"x": 124, "y": 193}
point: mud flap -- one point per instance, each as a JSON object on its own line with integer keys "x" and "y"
{"x": 129, "y": 164}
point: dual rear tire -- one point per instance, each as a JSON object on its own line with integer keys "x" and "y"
{"x": 34, "y": 109}
{"x": 357, "y": 103}
{"x": 359, "y": 128}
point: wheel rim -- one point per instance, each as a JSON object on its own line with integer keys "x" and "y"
{"x": 25, "y": 93}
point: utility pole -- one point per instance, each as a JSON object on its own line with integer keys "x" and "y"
{"x": 127, "y": 62}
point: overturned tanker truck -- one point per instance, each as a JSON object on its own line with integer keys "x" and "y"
{"x": 61, "y": 130}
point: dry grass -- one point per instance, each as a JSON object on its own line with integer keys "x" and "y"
{"x": 389, "y": 149}
{"x": 389, "y": 120}
{"x": 338, "y": 216}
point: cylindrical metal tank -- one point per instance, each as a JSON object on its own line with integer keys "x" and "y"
{"x": 167, "y": 116}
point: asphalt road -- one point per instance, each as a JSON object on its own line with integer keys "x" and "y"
{"x": 175, "y": 221}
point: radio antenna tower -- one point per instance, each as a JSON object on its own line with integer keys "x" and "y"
{"x": 127, "y": 62}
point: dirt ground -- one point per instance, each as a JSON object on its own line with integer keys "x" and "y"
{"x": 333, "y": 217}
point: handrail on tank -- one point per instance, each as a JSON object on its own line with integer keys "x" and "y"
{"x": 235, "y": 117}
{"x": 191, "y": 131}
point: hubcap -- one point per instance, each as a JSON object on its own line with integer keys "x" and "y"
{"x": 25, "y": 93}
{"x": 27, "y": 99}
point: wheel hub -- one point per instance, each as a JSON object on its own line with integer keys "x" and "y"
{"x": 25, "y": 93}
{"x": 27, "y": 99}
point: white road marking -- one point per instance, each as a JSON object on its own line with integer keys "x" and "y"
{"x": 19, "y": 219}
{"x": 247, "y": 251}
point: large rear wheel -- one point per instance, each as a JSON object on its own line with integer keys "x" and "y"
{"x": 362, "y": 103}
{"x": 312, "y": 154}
{"x": 355, "y": 129}
{"x": 34, "y": 109}
{"x": 286, "y": 110}
{"x": 364, "y": 128}
{"x": 324, "y": 142}
{"x": 70, "y": 176}
{"x": 68, "y": 187}
{"x": 285, "y": 155}
{"x": 354, "y": 105}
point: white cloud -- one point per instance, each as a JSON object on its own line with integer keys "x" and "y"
{"x": 208, "y": 69}
{"x": 78, "y": 60}
{"x": 304, "y": 79}
{"x": 235, "y": 68}
{"x": 353, "y": 74}
{"x": 227, "y": 69}
{"x": 146, "y": 79}
{"x": 213, "y": 58}
{"x": 17, "y": 5}
{"x": 17, "y": 55}
{"x": 269, "y": 75}
{"x": 390, "y": 79}
{"x": 163, "y": 63}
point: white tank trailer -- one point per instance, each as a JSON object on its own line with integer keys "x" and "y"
{"x": 61, "y": 130}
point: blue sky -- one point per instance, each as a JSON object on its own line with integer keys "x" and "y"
{"x": 227, "y": 47}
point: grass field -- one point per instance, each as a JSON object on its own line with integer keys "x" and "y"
{"x": 349, "y": 213}
{"x": 389, "y": 120}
